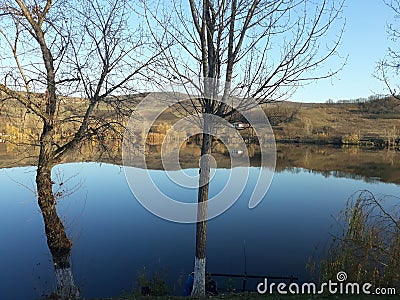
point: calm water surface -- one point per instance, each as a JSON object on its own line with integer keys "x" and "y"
{"x": 114, "y": 237}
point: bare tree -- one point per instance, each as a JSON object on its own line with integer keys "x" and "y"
{"x": 260, "y": 50}
{"x": 52, "y": 50}
{"x": 388, "y": 68}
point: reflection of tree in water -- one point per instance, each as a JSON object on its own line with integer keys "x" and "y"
{"x": 358, "y": 163}
{"x": 58, "y": 242}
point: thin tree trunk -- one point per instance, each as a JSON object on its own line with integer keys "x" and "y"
{"x": 57, "y": 240}
{"x": 201, "y": 225}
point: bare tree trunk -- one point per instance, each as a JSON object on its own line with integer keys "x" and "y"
{"x": 201, "y": 225}
{"x": 57, "y": 240}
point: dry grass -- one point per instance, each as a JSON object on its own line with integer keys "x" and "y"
{"x": 327, "y": 122}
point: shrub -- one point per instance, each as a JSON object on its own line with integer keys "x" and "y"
{"x": 154, "y": 285}
{"x": 368, "y": 249}
{"x": 352, "y": 139}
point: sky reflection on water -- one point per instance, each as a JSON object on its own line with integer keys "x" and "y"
{"x": 114, "y": 236}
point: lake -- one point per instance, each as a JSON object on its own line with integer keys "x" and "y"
{"x": 114, "y": 238}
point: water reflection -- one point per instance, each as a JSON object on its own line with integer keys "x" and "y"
{"x": 369, "y": 165}
{"x": 115, "y": 237}
{"x": 350, "y": 162}
{"x": 57, "y": 240}
{"x": 116, "y": 234}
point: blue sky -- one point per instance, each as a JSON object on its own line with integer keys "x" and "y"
{"x": 365, "y": 41}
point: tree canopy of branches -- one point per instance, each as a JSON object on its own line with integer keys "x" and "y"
{"x": 250, "y": 49}
{"x": 59, "y": 50}
{"x": 389, "y": 67}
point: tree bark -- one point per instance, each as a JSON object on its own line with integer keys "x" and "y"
{"x": 201, "y": 225}
{"x": 57, "y": 240}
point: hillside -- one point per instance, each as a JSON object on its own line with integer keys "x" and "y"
{"x": 374, "y": 122}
